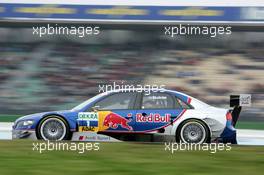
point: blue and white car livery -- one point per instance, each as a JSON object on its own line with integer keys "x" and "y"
{"x": 131, "y": 114}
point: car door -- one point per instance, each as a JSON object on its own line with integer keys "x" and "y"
{"x": 116, "y": 112}
{"x": 158, "y": 110}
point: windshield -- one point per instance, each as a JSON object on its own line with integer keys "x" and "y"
{"x": 85, "y": 103}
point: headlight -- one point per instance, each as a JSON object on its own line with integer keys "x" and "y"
{"x": 27, "y": 122}
{"x": 24, "y": 124}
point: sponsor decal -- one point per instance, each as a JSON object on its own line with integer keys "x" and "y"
{"x": 88, "y": 121}
{"x": 114, "y": 120}
{"x": 245, "y": 100}
{"x": 86, "y": 128}
{"x": 153, "y": 118}
{"x": 94, "y": 138}
{"x": 88, "y": 115}
{"x": 81, "y": 138}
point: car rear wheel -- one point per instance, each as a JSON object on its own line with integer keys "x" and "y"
{"x": 53, "y": 128}
{"x": 193, "y": 131}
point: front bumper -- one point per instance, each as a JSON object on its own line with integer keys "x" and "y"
{"x": 24, "y": 134}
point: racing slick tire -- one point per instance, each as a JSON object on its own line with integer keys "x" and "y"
{"x": 53, "y": 128}
{"x": 193, "y": 131}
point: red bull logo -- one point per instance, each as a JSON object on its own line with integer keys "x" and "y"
{"x": 114, "y": 120}
{"x": 156, "y": 118}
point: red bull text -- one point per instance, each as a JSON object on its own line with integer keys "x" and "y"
{"x": 156, "y": 118}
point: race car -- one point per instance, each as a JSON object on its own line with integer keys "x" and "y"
{"x": 128, "y": 114}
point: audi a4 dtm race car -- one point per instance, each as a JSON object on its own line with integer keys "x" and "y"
{"x": 126, "y": 115}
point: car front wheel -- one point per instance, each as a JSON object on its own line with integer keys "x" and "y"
{"x": 53, "y": 128}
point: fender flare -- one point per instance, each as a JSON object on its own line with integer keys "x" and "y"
{"x": 50, "y": 115}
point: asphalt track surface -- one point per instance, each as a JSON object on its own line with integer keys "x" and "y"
{"x": 244, "y": 136}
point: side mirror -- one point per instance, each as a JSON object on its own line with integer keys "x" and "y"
{"x": 95, "y": 108}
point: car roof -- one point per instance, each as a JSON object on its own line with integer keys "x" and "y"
{"x": 147, "y": 89}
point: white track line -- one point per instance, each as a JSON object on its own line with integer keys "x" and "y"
{"x": 6, "y": 126}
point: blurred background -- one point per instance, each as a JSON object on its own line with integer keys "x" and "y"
{"x": 60, "y": 71}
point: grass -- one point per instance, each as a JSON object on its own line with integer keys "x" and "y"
{"x": 17, "y": 157}
{"x": 250, "y": 125}
{"x": 8, "y": 117}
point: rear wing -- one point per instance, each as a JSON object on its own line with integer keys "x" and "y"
{"x": 238, "y": 101}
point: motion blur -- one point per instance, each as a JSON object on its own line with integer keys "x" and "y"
{"x": 59, "y": 72}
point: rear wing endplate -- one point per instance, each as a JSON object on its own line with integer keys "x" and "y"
{"x": 238, "y": 101}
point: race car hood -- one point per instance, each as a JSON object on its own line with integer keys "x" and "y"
{"x": 38, "y": 116}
